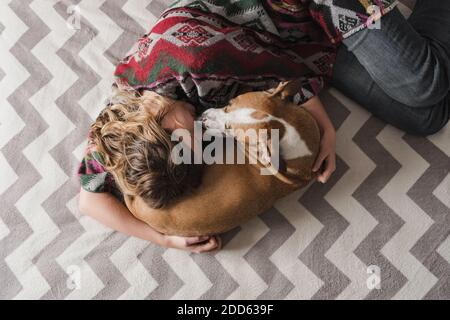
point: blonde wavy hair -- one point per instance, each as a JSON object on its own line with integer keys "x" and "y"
{"x": 137, "y": 150}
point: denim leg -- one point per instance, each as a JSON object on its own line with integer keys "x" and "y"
{"x": 409, "y": 60}
{"x": 353, "y": 80}
{"x": 431, "y": 19}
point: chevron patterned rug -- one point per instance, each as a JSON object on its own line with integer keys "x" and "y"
{"x": 378, "y": 230}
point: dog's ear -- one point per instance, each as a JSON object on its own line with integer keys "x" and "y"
{"x": 279, "y": 89}
{"x": 287, "y": 89}
{"x": 291, "y": 89}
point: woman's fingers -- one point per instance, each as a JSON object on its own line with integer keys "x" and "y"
{"x": 320, "y": 158}
{"x": 219, "y": 243}
{"x": 212, "y": 244}
{"x": 330, "y": 168}
{"x": 194, "y": 240}
{"x": 196, "y": 244}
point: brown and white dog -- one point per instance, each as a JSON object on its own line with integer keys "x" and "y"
{"x": 263, "y": 111}
{"x": 229, "y": 195}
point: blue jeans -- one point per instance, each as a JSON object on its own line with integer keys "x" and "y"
{"x": 401, "y": 72}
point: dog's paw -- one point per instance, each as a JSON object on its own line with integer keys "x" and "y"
{"x": 214, "y": 119}
{"x": 213, "y": 125}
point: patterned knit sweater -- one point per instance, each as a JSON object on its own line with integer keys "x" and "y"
{"x": 206, "y": 51}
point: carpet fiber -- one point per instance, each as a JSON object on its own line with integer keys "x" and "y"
{"x": 384, "y": 215}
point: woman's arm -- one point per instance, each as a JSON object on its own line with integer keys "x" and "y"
{"x": 327, "y": 154}
{"x": 109, "y": 211}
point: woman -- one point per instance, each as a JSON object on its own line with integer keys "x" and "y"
{"x": 194, "y": 53}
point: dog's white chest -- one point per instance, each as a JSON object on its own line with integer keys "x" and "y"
{"x": 292, "y": 146}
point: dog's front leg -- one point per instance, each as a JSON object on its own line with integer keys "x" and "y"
{"x": 215, "y": 121}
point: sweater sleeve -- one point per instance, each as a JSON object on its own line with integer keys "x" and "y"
{"x": 92, "y": 174}
{"x": 342, "y": 18}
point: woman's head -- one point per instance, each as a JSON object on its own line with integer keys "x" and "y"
{"x": 133, "y": 134}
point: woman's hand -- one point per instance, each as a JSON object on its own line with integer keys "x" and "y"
{"x": 327, "y": 155}
{"x": 194, "y": 244}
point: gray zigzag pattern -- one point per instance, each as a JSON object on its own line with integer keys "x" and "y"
{"x": 422, "y": 194}
{"x": 168, "y": 281}
{"x": 131, "y": 30}
{"x": 334, "y": 224}
{"x": 2, "y": 74}
{"x": 35, "y": 125}
{"x": 157, "y": 7}
{"x": 69, "y": 227}
{"x": 388, "y": 221}
{"x": 258, "y": 256}
{"x": 99, "y": 260}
